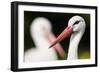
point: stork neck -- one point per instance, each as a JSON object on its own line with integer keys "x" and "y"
{"x": 73, "y": 47}
{"x": 41, "y": 42}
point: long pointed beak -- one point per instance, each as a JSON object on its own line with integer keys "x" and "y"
{"x": 66, "y": 33}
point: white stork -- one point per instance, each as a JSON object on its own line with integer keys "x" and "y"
{"x": 76, "y": 28}
{"x": 42, "y": 35}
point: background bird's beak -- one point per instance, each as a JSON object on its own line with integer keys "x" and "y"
{"x": 66, "y": 33}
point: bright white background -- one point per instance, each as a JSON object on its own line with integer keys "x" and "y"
{"x": 5, "y": 27}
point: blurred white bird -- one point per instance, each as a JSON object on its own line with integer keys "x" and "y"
{"x": 42, "y": 35}
{"x": 76, "y": 28}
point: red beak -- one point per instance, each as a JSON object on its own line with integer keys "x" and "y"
{"x": 66, "y": 33}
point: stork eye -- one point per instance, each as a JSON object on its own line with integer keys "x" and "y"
{"x": 76, "y": 22}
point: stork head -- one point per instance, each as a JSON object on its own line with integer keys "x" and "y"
{"x": 75, "y": 25}
{"x": 40, "y": 26}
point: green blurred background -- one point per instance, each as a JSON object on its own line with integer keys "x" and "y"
{"x": 59, "y": 23}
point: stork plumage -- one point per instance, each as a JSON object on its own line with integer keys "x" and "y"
{"x": 42, "y": 35}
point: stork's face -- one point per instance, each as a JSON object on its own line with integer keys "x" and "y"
{"x": 75, "y": 25}
{"x": 40, "y": 26}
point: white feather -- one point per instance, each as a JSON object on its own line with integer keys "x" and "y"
{"x": 38, "y": 28}
{"x": 78, "y": 31}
